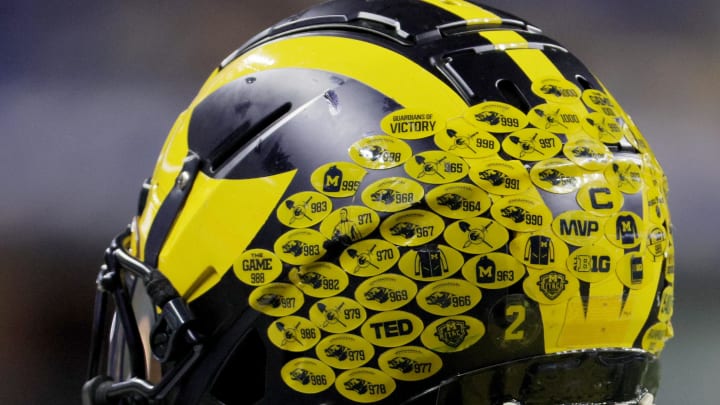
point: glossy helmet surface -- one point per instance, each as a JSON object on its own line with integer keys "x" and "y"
{"x": 388, "y": 202}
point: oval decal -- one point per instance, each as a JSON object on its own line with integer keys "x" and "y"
{"x": 559, "y": 176}
{"x": 276, "y": 299}
{"x": 431, "y": 262}
{"x": 625, "y": 174}
{"x": 466, "y": 140}
{"x": 337, "y": 314}
{"x": 592, "y": 263}
{"x": 654, "y": 339}
{"x": 599, "y": 197}
{"x": 579, "y": 228}
{"x": 307, "y": 375}
{"x": 369, "y": 257}
{"x": 257, "y": 267}
{"x": 556, "y": 118}
{"x": 493, "y": 271}
{"x": 411, "y": 123}
{"x": 532, "y": 144}
{"x": 385, "y": 292}
{"x": 521, "y": 213}
{"x": 344, "y": 351}
{"x": 625, "y": 229}
{"x": 300, "y": 246}
{"x": 498, "y": 176}
{"x": 319, "y": 279}
{"x": 304, "y": 209}
{"x": 458, "y": 200}
{"x": 293, "y": 333}
{"x": 452, "y": 334}
{"x": 436, "y": 167}
{"x": 603, "y": 128}
{"x": 540, "y": 250}
{"x": 410, "y": 363}
{"x": 600, "y": 102}
{"x": 635, "y": 270}
{"x": 392, "y": 328}
{"x": 392, "y": 194}
{"x": 495, "y": 116}
{"x": 365, "y": 385}
{"x": 349, "y": 224}
{"x": 412, "y": 227}
{"x": 448, "y": 297}
{"x": 588, "y": 153}
{"x": 556, "y": 90}
{"x": 380, "y": 152}
{"x": 476, "y": 235}
{"x": 551, "y": 287}
{"x": 338, "y": 179}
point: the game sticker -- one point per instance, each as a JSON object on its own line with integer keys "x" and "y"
{"x": 257, "y": 267}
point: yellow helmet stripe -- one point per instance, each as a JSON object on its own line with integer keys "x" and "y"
{"x": 533, "y": 62}
{"x": 467, "y": 11}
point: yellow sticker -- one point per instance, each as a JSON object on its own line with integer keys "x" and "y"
{"x": 599, "y": 197}
{"x": 655, "y": 205}
{"x": 349, "y": 224}
{"x": 625, "y": 174}
{"x": 319, "y": 279}
{"x": 380, "y": 152}
{"x": 588, "y": 153}
{"x": 556, "y": 90}
{"x": 593, "y": 263}
{"x": 431, "y": 262}
{"x": 365, "y": 385}
{"x": 493, "y": 271}
{"x": 635, "y": 270}
{"x": 436, "y": 167}
{"x": 551, "y": 287}
{"x": 476, "y": 235}
{"x": 448, "y": 297}
{"x": 392, "y": 194}
{"x": 521, "y": 213}
{"x": 276, "y": 299}
{"x": 412, "y": 227}
{"x": 532, "y": 144}
{"x": 497, "y": 176}
{"x": 625, "y": 229}
{"x": 466, "y": 140}
{"x": 410, "y": 363}
{"x": 304, "y": 209}
{"x": 556, "y": 175}
{"x": 386, "y": 292}
{"x": 257, "y": 267}
{"x": 307, "y": 375}
{"x": 579, "y": 228}
{"x": 458, "y": 200}
{"x": 345, "y": 351}
{"x": 603, "y": 128}
{"x": 556, "y": 118}
{"x": 655, "y": 337}
{"x": 337, "y": 314}
{"x": 657, "y": 242}
{"x": 666, "y": 304}
{"x": 452, "y": 334}
{"x": 338, "y": 179}
{"x": 300, "y": 246}
{"x": 495, "y": 116}
{"x": 411, "y": 123}
{"x": 369, "y": 257}
{"x": 293, "y": 333}
{"x": 540, "y": 250}
{"x": 392, "y": 328}
{"x": 669, "y": 263}
{"x": 600, "y": 102}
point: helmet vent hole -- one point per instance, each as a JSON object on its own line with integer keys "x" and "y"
{"x": 584, "y": 83}
{"x": 512, "y": 94}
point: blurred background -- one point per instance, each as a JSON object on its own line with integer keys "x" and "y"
{"x": 89, "y": 89}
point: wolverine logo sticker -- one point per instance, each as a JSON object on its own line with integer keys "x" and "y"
{"x": 412, "y": 227}
{"x": 380, "y": 152}
{"x": 497, "y": 176}
{"x": 365, "y": 385}
{"x": 307, "y": 375}
{"x": 392, "y": 194}
{"x": 556, "y": 90}
{"x": 452, "y": 334}
{"x": 588, "y": 153}
{"x": 494, "y": 116}
{"x": 410, "y": 363}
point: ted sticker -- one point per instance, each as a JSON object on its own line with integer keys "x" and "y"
{"x": 411, "y": 123}
{"x": 380, "y": 152}
{"x": 467, "y": 140}
{"x": 436, "y": 167}
{"x": 412, "y": 227}
{"x": 495, "y": 116}
{"x": 300, "y": 246}
{"x": 452, "y": 334}
{"x": 257, "y": 267}
{"x": 307, "y": 375}
{"x": 392, "y": 328}
{"x": 410, "y": 363}
{"x": 365, "y": 385}
{"x": 458, "y": 200}
{"x": 293, "y": 333}
{"x": 338, "y": 179}
{"x": 304, "y": 209}
{"x": 392, "y": 194}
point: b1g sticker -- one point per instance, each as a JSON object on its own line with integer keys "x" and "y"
{"x": 319, "y": 279}
{"x": 385, "y": 292}
{"x": 493, "y": 271}
{"x": 448, "y": 297}
{"x": 344, "y": 351}
{"x": 657, "y": 242}
{"x": 498, "y": 176}
{"x": 392, "y": 328}
{"x": 337, "y": 314}
{"x": 293, "y": 333}
{"x": 338, "y": 179}
{"x": 625, "y": 175}
{"x": 635, "y": 270}
{"x": 603, "y": 128}
{"x": 257, "y": 267}
{"x": 410, "y": 363}
{"x": 276, "y": 299}
{"x": 655, "y": 337}
{"x": 476, "y": 235}
{"x": 436, "y": 167}
{"x": 380, "y": 152}
{"x": 532, "y": 144}
{"x": 556, "y": 90}
{"x": 514, "y": 320}
{"x": 496, "y": 117}
{"x": 431, "y": 262}
{"x": 625, "y": 229}
{"x": 556, "y": 118}
{"x": 600, "y": 102}
{"x": 412, "y": 227}
{"x": 593, "y": 263}
{"x": 599, "y": 197}
{"x": 411, "y": 123}
{"x": 452, "y": 334}
{"x": 365, "y": 385}
{"x": 304, "y": 209}
{"x": 369, "y": 257}
{"x": 349, "y": 224}
{"x": 556, "y": 175}
{"x": 300, "y": 246}
{"x": 307, "y": 375}
{"x": 466, "y": 140}
{"x": 458, "y": 200}
{"x": 539, "y": 250}
{"x": 521, "y": 213}
{"x": 588, "y": 153}
{"x": 551, "y": 287}
{"x": 579, "y": 228}
{"x": 392, "y": 194}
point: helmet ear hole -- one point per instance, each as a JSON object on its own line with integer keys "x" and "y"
{"x": 245, "y": 367}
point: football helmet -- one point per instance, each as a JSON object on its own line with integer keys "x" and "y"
{"x": 407, "y": 201}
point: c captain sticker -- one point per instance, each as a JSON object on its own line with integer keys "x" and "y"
{"x": 365, "y": 385}
{"x": 448, "y": 297}
{"x": 436, "y": 167}
{"x": 521, "y": 213}
{"x": 412, "y": 227}
{"x": 392, "y": 328}
{"x": 599, "y": 197}
{"x": 495, "y": 116}
{"x": 498, "y": 176}
{"x": 338, "y": 179}
{"x": 452, "y": 334}
{"x": 304, "y": 209}
{"x": 466, "y": 140}
{"x": 337, "y": 314}
{"x": 410, "y": 363}
{"x": 319, "y": 279}
{"x": 556, "y": 90}
{"x": 431, "y": 262}
{"x": 411, "y": 123}
{"x": 556, "y": 118}
{"x": 532, "y": 144}
{"x": 380, "y": 152}
{"x": 293, "y": 333}
{"x": 349, "y": 224}
{"x": 344, "y": 351}
{"x": 392, "y": 194}
{"x": 493, "y": 271}
{"x": 257, "y": 267}
{"x": 276, "y": 299}
{"x": 369, "y": 257}
{"x": 458, "y": 200}
{"x": 300, "y": 246}
{"x": 385, "y": 292}
{"x": 476, "y": 235}
{"x": 307, "y": 375}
